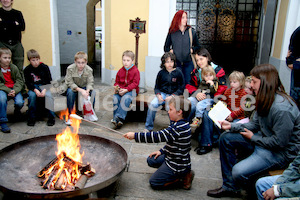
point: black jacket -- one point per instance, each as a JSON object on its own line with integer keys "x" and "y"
{"x": 169, "y": 82}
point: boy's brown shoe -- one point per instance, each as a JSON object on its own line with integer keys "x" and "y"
{"x": 188, "y": 179}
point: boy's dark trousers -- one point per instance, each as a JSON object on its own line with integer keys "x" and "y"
{"x": 164, "y": 175}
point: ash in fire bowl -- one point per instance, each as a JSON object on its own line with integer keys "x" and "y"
{"x": 20, "y": 162}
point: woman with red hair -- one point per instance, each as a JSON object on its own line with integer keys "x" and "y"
{"x": 178, "y": 42}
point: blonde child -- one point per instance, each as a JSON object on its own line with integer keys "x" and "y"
{"x": 125, "y": 87}
{"x": 233, "y": 96}
{"x": 79, "y": 78}
{"x": 11, "y": 87}
{"x": 173, "y": 160}
{"x": 208, "y": 86}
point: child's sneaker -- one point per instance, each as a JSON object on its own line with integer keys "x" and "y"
{"x": 4, "y": 128}
{"x": 120, "y": 124}
{"x": 69, "y": 122}
{"x": 196, "y": 122}
{"x": 114, "y": 122}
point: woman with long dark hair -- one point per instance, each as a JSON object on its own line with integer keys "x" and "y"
{"x": 271, "y": 140}
{"x": 178, "y": 42}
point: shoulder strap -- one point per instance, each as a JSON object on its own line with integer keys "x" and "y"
{"x": 191, "y": 36}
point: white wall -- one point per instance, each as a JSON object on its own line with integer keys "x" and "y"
{"x": 292, "y": 22}
{"x": 160, "y": 16}
{"x": 55, "y": 69}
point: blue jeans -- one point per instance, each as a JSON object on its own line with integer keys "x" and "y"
{"x": 35, "y": 102}
{"x": 237, "y": 174}
{"x": 121, "y": 104}
{"x": 19, "y": 103}
{"x": 208, "y": 132}
{"x": 186, "y": 69}
{"x": 263, "y": 184}
{"x": 72, "y": 96}
{"x": 152, "y": 109}
{"x": 203, "y": 105}
{"x": 163, "y": 174}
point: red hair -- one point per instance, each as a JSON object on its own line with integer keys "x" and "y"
{"x": 176, "y": 22}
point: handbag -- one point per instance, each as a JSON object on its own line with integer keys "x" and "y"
{"x": 191, "y": 41}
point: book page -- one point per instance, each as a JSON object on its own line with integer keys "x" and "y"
{"x": 219, "y": 113}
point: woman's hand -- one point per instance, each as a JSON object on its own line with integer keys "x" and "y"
{"x": 129, "y": 135}
{"x": 200, "y": 96}
{"x": 225, "y": 125}
{"x": 247, "y": 134}
{"x": 155, "y": 154}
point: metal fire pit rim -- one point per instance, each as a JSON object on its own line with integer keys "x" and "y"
{"x": 59, "y": 193}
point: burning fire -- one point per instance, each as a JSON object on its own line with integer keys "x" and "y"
{"x": 65, "y": 171}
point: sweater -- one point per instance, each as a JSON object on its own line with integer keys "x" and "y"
{"x": 169, "y": 82}
{"x": 237, "y": 111}
{"x": 178, "y": 144}
{"x": 128, "y": 79}
{"x": 36, "y": 76}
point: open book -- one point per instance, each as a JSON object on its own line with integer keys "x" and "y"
{"x": 219, "y": 113}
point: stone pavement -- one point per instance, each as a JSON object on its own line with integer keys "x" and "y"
{"x": 133, "y": 184}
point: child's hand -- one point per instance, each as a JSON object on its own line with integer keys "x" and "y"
{"x": 200, "y": 96}
{"x": 155, "y": 153}
{"x": 122, "y": 91}
{"x": 168, "y": 98}
{"x": 229, "y": 118}
{"x": 116, "y": 88}
{"x": 43, "y": 93}
{"x": 210, "y": 82}
{"x": 12, "y": 93}
{"x": 160, "y": 99}
{"x": 129, "y": 135}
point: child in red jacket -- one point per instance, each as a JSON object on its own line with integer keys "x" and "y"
{"x": 126, "y": 87}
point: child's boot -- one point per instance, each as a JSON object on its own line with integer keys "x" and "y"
{"x": 188, "y": 179}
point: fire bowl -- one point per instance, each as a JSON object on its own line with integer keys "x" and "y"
{"x": 20, "y": 163}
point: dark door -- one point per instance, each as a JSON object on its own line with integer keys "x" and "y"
{"x": 228, "y": 29}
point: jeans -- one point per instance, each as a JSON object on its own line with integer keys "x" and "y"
{"x": 152, "y": 109}
{"x": 163, "y": 174}
{"x": 202, "y": 106}
{"x": 186, "y": 69}
{"x": 35, "y": 102}
{"x": 72, "y": 96}
{"x": 121, "y": 104}
{"x": 237, "y": 174}
{"x": 19, "y": 103}
{"x": 265, "y": 183}
{"x": 208, "y": 132}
